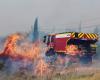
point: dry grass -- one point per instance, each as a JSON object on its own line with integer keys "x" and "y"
{"x": 67, "y": 74}
{"x": 95, "y": 76}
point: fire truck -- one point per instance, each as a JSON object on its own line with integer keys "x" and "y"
{"x": 75, "y": 45}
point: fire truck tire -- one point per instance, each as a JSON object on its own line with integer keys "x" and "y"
{"x": 86, "y": 59}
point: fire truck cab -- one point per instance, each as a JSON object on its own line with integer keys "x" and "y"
{"x": 82, "y": 45}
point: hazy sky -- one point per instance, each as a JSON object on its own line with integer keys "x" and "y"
{"x": 19, "y": 15}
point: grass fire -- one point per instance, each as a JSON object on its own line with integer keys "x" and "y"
{"x": 63, "y": 56}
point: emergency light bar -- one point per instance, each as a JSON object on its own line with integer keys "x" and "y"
{"x": 63, "y": 35}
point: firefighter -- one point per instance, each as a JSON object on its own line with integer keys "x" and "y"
{"x": 51, "y": 55}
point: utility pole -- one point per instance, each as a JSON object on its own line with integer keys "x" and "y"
{"x": 80, "y": 26}
{"x": 96, "y": 30}
{"x": 53, "y": 29}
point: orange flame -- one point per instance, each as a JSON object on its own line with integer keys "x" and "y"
{"x": 10, "y": 44}
{"x": 25, "y": 50}
{"x": 72, "y": 49}
{"x": 41, "y": 68}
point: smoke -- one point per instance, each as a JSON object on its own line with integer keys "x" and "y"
{"x": 19, "y": 55}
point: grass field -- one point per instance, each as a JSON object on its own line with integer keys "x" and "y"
{"x": 67, "y": 74}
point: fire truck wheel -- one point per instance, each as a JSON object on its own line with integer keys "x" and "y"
{"x": 86, "y": 59}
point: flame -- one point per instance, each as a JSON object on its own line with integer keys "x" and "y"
{"x": 41, "y": 68}
{"x": 10, "y": 44}
{"x": 29, "y": 51}
{"x": 72, "y": 49}
{"x": 25, "y": 50}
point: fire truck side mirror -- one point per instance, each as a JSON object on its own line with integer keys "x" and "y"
{"x": 48, "y": 40}
{"x": 44, "y": 39}
{"x": 52, "y": 38}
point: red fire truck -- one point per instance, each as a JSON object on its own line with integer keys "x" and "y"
{"x": 71, "y": 44}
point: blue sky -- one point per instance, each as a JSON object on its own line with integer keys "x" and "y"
{"x": 19, "y": 15}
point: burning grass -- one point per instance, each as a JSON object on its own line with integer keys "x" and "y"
{"x": 25, "y": 62}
